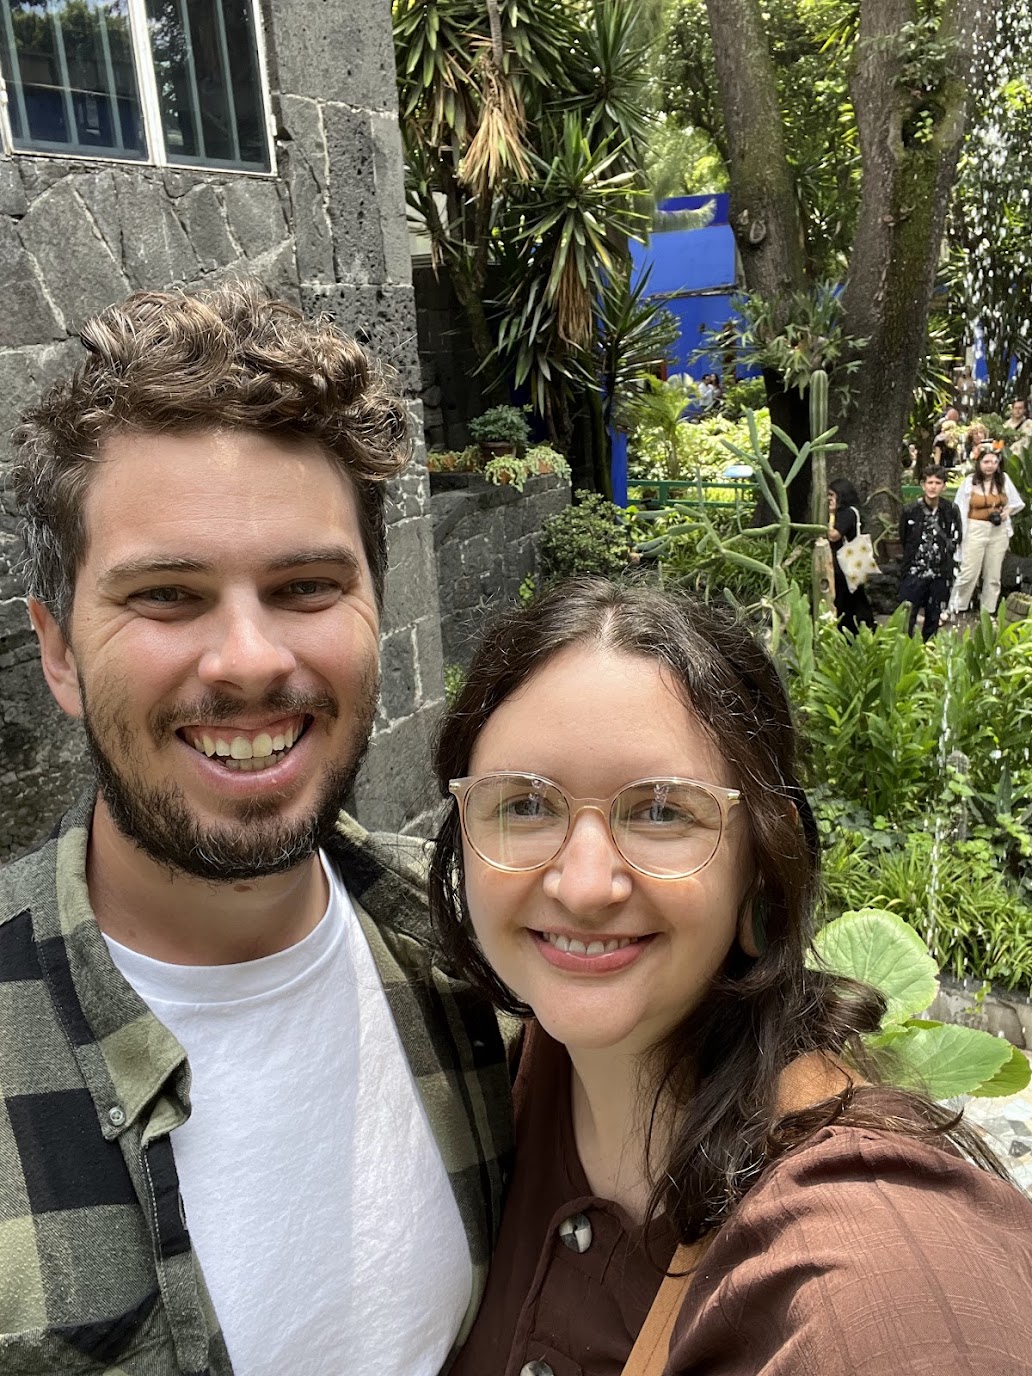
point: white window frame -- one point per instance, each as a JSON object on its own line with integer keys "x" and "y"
{"x": 150, "y": 107}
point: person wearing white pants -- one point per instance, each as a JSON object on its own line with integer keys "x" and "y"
{"x": 986, "y": 500}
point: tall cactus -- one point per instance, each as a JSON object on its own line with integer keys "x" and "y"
{"x": 823, "y": 584}
{"x": 818, "y": 427}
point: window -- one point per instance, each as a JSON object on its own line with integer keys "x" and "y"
{"x": 166, "y": 81}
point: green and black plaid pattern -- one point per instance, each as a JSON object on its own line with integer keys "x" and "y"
{"x": 97, "y": 1273}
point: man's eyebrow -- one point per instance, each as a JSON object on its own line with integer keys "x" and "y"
{"x": 319, "y": 554}
{"x": 141, "y": 568}
{"x": 131, "y": 569}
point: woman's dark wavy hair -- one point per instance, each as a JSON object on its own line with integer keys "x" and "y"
{"x": 845, "y": 492}
{"x": 719, "y": 1069}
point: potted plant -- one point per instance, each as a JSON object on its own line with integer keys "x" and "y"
{"x": 548, "y": 460}
{"x": 508, "y": 469}
{"x": 501, "y": 430}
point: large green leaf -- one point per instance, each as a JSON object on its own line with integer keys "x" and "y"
{"x": 945, "y": 1060}
{"x": 879, "y": 948}
{"x": 1012, "y": 1077}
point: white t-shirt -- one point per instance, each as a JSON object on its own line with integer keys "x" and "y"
{"x": 315, "y": 1195}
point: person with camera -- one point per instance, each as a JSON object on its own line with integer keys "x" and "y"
{"x": 986, "y": 501}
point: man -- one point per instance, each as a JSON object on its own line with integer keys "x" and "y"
{"x": 246, "y": 1126}
{"x": 929, "y": 531}
{"x": 1020, "y": 423}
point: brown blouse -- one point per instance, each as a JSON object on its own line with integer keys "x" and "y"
{"x": 982, "y": 503}
{"x": 861, "y": 1254}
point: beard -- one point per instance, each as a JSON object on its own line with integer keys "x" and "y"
{"x": 258, "y": 842}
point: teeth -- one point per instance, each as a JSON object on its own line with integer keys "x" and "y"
{"x": 591, "y": 948}
{"x": 240, "y": 750}
{"x": 261, "y": 746}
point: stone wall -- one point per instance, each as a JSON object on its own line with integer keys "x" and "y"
{"x": 327, "y": 231}
{"x": 486, "y": 540}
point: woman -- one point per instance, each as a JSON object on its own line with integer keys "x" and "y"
{"x": 629, "y": 863}
{"x": 986, "y": 500}
{"x": 854, "y": 609}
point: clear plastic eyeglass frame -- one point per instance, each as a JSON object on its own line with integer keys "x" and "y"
{"x": 724, "y": 798}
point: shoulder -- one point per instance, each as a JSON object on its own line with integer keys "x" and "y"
{"x": 867, "y": 1253}
{"x": 385, "y": 874}
{"x": 33, "y": 877}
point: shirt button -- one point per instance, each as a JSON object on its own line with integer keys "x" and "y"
{"x": 575, "y": 1232}
{"x": 116, "y": 1116}
{"x": 536, "y": 1369}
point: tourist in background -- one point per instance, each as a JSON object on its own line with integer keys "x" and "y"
{"x": 930, "y": 533}
{"x": 986, "y": 501}
{"x": 853, "y": 608}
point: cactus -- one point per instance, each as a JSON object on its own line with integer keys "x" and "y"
{"x": 818, "y": 427}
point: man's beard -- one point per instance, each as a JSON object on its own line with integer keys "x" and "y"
{"x": 258, "y": 842}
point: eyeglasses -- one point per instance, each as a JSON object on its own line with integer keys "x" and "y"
{"x": 666, "y": 828}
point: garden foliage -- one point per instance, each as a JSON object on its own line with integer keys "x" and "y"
{"x": 920, "y": 770}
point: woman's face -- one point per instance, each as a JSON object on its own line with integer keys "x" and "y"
{"x": 988, "y": 463}
{"x": 832, "y": 500}
{"x": 977, "y": 434}
{"x": 593, "y": 720}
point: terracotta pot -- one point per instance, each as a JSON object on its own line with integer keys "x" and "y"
{"x": 493, "y": 449}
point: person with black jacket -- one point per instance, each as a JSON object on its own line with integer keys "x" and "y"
{"x": 930, "y": 533}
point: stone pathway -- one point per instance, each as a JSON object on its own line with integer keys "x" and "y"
{"x": 1007, "y": 1126}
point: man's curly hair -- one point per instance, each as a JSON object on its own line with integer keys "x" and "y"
{"x": 175, "y": 361}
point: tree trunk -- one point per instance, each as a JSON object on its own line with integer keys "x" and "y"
{"x": 765, "y": 214}
{"x": 791, "y": 413}
{"x": 909, "y": 142}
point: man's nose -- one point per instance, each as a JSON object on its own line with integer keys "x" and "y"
{"x": 247, "y": 649}
{"x": 589, "y": 874}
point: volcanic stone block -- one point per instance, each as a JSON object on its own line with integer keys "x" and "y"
{"x": 27, "y": 316}
{"x": 155, "y": 249}
{"x": 12, "y": 191}
{"x": 397, "y": 674}
{"x": 344, "y": 52}
{"x": 382, "y": 317}
{"x": 255, "y": 215}
{"x": 411, "y": 585}
{"x": 25, "y": 374}
{"x": 77, "y": 265}
{"x": 353, "y": 205}
{"x": 204, "y": 222}
{"x": 395, "y": 789}
{"x": 305, "y": 171}
{"x": 389, "y": 166}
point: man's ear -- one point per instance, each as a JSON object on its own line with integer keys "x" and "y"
{"x": 57, "y": 657}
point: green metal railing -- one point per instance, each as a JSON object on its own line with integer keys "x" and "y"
{"x": 694, "y": 490}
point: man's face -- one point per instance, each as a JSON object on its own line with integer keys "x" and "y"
{"x": 222, "y": 647}
{"x": 932, "y": 488}
{"x": 1017, "y": 412}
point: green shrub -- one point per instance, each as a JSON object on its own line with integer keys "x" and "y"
{"x": 501, "y": 424}
{"x": 953, "y": 894}
{"x": 589, "y": 538}
{"x": 699, "y": 446}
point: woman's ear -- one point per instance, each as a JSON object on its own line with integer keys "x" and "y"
{"x": 752, "y": 923}
{"x": 57, "y": 658}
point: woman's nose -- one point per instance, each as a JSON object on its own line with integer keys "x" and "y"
{"x": 589, "y": 873}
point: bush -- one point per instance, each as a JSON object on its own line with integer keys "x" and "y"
{"x": 699, "y": 444}
{"x": 951, "y": 892}
{"x": 589, "y": 538}
{"x": 502, "y": 425}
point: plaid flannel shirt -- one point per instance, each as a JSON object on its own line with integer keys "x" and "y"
{"x": 97, "y": 1273}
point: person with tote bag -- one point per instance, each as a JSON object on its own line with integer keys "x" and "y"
{"x": 853, "y": 556}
